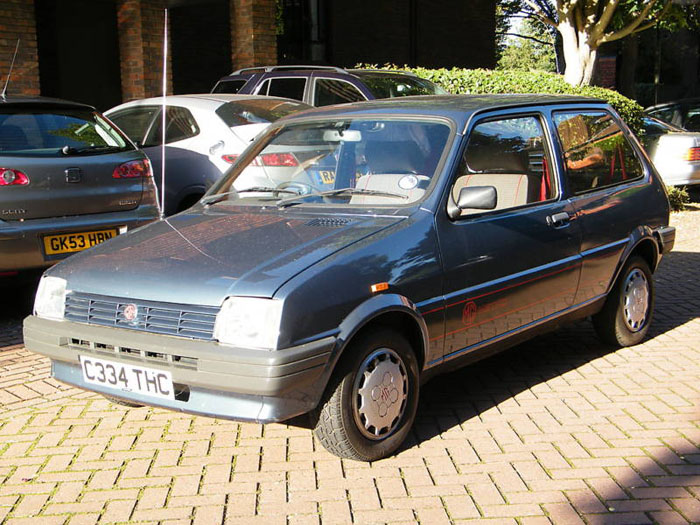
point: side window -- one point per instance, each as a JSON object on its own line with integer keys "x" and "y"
{"x": 135, "y": 121}
{"x": 180, "y": 125}
{"x": 596, "y": 152}
{"x": 331, "y": 91}
{"x": 692, "y": 120}
{"x": 229, "y": 86}
{"x": 511, "y": 155}
{"x": 289, "y": 87}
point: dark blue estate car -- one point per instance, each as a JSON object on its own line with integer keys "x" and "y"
{"x": 412, "y": 236}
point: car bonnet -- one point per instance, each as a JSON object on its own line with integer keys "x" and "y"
{"x": 203, "y": 257}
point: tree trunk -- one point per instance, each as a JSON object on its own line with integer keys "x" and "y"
{"x": 579, "y": 55}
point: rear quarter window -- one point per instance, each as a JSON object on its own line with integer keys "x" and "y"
{"x": 229, "y": 86}
{"x": 596, "y": 152}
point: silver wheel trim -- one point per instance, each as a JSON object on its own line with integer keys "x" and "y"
{"x": 380, "y": 394}
{"x": 635, "y": 300}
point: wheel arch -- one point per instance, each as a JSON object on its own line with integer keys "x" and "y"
{"x": 386, "y": 310}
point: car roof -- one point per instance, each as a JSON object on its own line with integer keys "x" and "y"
{"x": 313, "y": 69}
{"x": 27, "y": 101}
{"x": 457, "y": 107}
{"x": 679, "y": 102}
{"x": 199, "y": 101}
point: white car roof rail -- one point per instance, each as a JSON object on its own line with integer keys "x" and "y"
{"x": 267, "y": 69}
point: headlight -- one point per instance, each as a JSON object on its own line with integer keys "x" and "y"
{"x": 50, "y": 299}
{"x": 249, "y": 322}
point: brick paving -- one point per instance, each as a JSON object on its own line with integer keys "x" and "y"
{"x": 558, "y": 430}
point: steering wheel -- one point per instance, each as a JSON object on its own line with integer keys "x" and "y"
{"x": 300, "y": 187}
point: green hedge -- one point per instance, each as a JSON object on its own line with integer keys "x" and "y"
{"x": 480, "y": 81}
{"x": 677, "y": 197}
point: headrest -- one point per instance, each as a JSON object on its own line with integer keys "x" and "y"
{"x": 393, "y": 157}
{"x": 490, "y": 158}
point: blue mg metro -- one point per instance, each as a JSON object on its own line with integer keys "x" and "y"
{"x": 408, "y": 237}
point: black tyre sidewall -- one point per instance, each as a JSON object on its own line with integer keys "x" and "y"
{"x": 610, "y": 322}
{"x": 368, "y": 449}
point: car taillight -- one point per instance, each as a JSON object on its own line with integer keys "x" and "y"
{"x": 692, "y": 155}
{"x": 267, "y": 159}
{"x": 10, "y": 177}
{"x": 279, "y": 159}
{"x": 133, "y": 169}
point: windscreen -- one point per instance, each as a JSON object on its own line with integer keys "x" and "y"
{"x": 356, "y": 162}
{"x": 257, "y": 111}
{"x": 391, "y": 86}
{"x": 39, "y": 132}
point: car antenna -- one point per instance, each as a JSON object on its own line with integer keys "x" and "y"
{"x": 9, "y": 73}
{"x": 163, "y": 117}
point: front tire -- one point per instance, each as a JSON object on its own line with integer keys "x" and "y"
{"x": 626, "y": 315}
{"x": 370, "y": 406}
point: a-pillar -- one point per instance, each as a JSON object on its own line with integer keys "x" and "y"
{"x": 253, "y": 33}
{"x": 141, "y": 24}
{"x": 17, "y": 21}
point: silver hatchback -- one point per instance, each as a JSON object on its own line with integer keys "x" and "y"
{"x": 68, "y": 180}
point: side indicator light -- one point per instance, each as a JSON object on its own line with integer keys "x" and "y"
{"x": 379, "y": 287}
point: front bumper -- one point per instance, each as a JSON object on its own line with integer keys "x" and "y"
{"x": 210, "y": 379}
{"x": 21, "y": 241}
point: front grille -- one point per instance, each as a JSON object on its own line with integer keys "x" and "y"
{"x": 329, "y": 222}
{"x": 109, "y": 350}
{"x": 195, "y": 322}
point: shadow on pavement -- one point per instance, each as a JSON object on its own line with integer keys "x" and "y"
{"x": 16, "y": 303}
{"x": 461, "y": 395}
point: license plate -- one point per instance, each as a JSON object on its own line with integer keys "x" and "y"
{"x": 75, "y": 242}
{"x": 127, "y": 378}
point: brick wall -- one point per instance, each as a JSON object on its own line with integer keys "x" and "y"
{"x": 141, "y": 48}
{"x": 17, "y": 21}
{"x": 253, "y": 36}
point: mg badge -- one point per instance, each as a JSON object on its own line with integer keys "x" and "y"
{"x": 130, "y": 312}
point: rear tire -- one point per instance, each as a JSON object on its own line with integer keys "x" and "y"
{"x": 626, "y": 315}
{"x": 371, "y": 403}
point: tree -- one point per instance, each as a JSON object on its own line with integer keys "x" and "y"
{"x": 531, "y": 48}
{"x": 584, "y": 25}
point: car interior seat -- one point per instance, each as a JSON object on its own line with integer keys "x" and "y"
{"x": 507, "y": 171}
{"x": 393, "y": 167}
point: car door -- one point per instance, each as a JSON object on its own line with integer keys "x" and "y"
{"x": 601, "y": 170}
{"x": 515, "y": 266}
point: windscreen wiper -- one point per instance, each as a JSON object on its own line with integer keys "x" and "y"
{"x": 70, "y": 150}
{"x": 291, "y": 201}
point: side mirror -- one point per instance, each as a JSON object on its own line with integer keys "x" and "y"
{"x": 474, "y": 197}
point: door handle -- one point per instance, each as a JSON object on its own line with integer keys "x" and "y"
{"x": 558, "y": 219}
